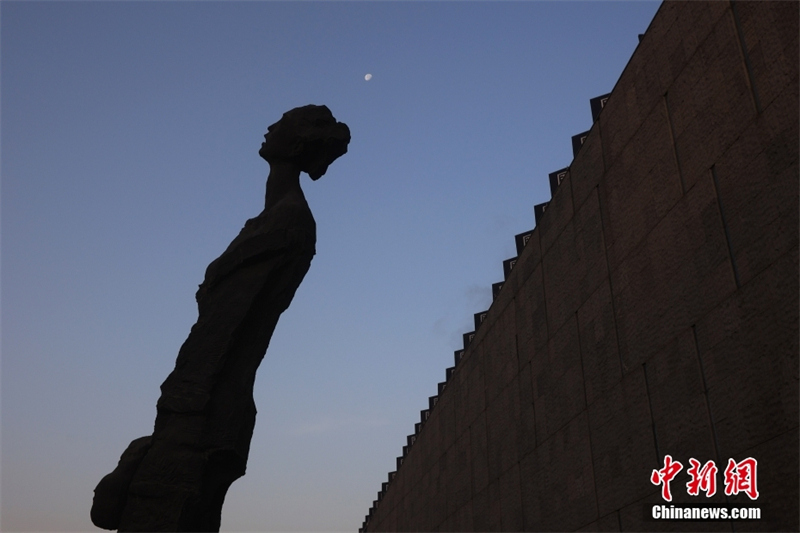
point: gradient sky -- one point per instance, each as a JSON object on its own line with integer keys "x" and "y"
{"x": 130, "y": 133}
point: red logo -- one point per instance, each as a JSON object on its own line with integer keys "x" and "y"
{"x": 665, "y": 475}
{"x": 704, "y": 479}
{"x": 739, "y": 477}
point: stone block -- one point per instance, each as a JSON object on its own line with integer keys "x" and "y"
{"x": 749, "y": 351}
{"x": 446, "y": 415}
{"x": 494, "y": 510}
{"x": 502, "y": 421}
{"x": 690, "y": 33}
{"x": 559, "y": 212}
{"x": 598, "y": 343}
{"x": 558, "y": 391}
{"x": 557, "y": 481}
{"x": 645, "y": 80}
{"x": 585, "y": 171}
{"x": 529, "y": 259}
{"x": 504, "y": 298}
{"x": 500, "y": 354}
{"x": 460, "y": 391}
{"x": 389, "y": 523}
{"x": 461, "y": 520}
{"x": 403, "y": 516}
{"x": 710, "y": 102}
{"x": 678, "y": 402}
{"x": 412, "y": 470}
{"x": 511, "y": 284}
{"x": 624, "y": 113}
{"x": 424, "y": 490}
{"x": 640, "y": 188}
{"x": 485, "y": 517}
{"x": 398, "y": 487}
{"x": 481, "y": 326}
{"x": 430, "y": 506}
{"x": 531, "y": 315}
{"x": 623, "y": 447}
{"x": 476, "y": 395}
{"x": 523, "y": 315}
{"x": 770, "y": 34}
{"x": 758, "y": 188}
{"x": 526, "y": 431}
{"x": 479, "y": 455}
{"x": 436, "y": 497}
{"x": 575, "y": 265}
{"x": 459, "y": 468}
{"x": 428, "y": 448}
{"x": 686, "y": 258}
{"x": 681, "y": 40}
{"x": 511, "y": 517}
{"x": 532, "y": 490}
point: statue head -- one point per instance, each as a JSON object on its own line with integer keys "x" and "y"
{"x": 307, "y": 136}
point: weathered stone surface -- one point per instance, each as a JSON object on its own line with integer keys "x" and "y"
{"x": 177, "y": 479}
{"x": 111, "y": 493}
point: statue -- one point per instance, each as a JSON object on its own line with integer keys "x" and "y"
{"x": 176, "y": 479}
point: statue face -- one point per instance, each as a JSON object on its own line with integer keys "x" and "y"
{"x": 280, "y": 142}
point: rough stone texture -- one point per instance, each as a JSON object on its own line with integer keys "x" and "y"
{"x": 176, "y": 479}
{"x": 112, "y": 491}
{"x": 654, "y": 310}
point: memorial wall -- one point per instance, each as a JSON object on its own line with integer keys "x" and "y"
{"x": 652, "y": 312}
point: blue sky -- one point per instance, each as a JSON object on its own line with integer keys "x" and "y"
{"x": 129, "y": 135}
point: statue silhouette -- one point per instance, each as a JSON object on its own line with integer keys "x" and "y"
{"x": 176, "y": 479}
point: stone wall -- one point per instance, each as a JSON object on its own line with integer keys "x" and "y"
{"x": 653, "y": 312}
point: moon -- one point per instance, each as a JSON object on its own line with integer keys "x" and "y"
{"x": 368, "y": 77}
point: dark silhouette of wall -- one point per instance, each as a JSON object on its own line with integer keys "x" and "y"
{"x": 654, "y": 311}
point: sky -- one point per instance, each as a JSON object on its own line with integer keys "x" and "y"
{"x": 129, "y": 137}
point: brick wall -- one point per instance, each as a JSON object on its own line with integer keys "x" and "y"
{"x": 654, "y": 310}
